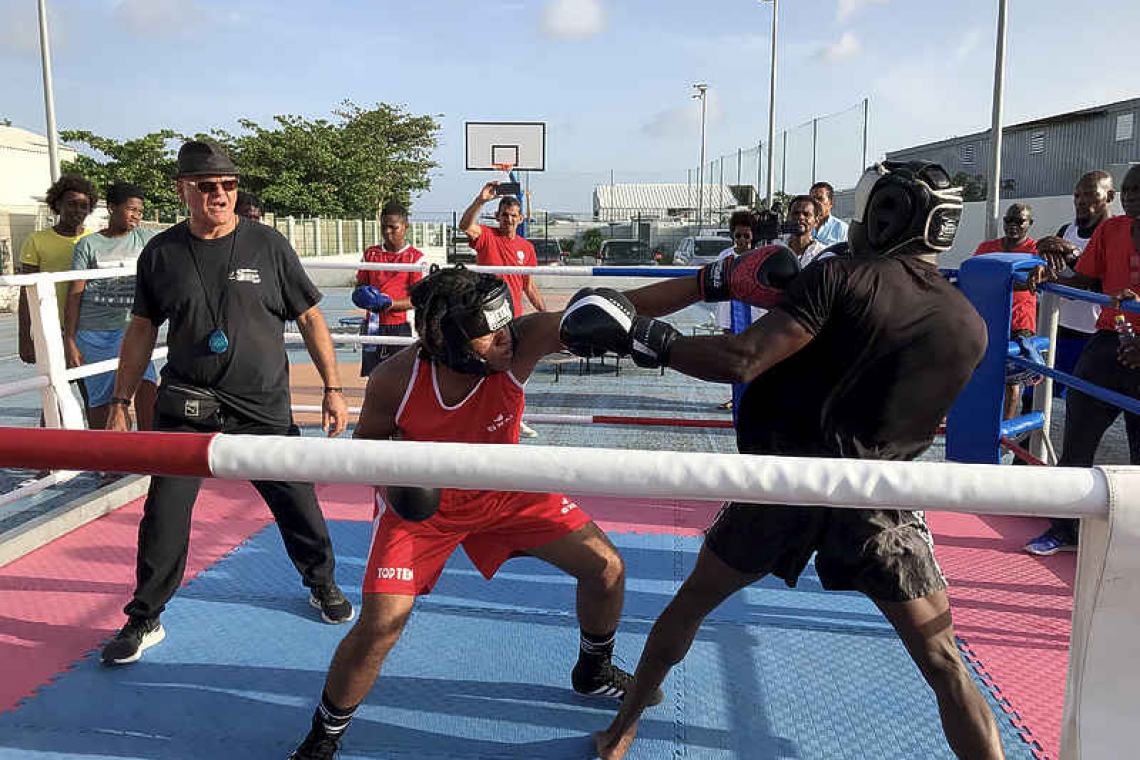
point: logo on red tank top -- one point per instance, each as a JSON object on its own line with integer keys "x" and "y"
{"x": 499, "y": 421}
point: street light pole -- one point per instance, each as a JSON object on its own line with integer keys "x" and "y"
{"x": 700, "y": 95}
{"x": 993, "y": 198}
{"x": 49, "y": 97}
{"x": 772, "y": 104}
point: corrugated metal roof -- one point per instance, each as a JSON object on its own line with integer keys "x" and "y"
{"x": 23, "y": 139}
{"x": 662, "y": 196}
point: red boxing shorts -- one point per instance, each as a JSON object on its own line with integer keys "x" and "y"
{"x": 408, "y": 557}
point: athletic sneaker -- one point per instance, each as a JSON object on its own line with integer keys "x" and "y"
{"x": 317, "y": 746}
{"x": 526, "y": 431}
{"x": 1050, "y": 542}
{"x": 608, "y": 681}
{"x": 335, "y": 608}
{"x": 134, "y": 638}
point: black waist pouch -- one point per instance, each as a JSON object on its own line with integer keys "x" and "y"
{"x": 187, "y": 402}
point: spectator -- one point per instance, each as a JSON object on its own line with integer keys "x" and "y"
{"x": 1023, "y": 321}
{"x": 804, "y": 212}
{"x": 740, "y": 225}
{"x": 98, "y": 310}
{"x": 501, "y": 247}
{"x": 385, "y": 295}
{"x": 71, "y": 198}
{"x": 248, "y": 205}
{"x": 1110, "y": 261}
{"x": 1092, "y": 198}
{"x": 227, "y": 285}
{"x": 829, "y": 230}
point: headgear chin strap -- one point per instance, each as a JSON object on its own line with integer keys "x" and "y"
{"x": 904, "y": 207}
{"x": 492, "y": 311}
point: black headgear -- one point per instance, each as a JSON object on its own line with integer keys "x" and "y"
{"x": 904, "y": 207}
{"x": 467, "y": 316}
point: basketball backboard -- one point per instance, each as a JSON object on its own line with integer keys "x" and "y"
{"x": 493, "y": 144}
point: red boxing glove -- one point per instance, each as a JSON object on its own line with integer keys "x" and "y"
{"x": 757, "y": 278}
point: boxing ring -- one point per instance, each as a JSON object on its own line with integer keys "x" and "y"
{"x": 776, "y": 671}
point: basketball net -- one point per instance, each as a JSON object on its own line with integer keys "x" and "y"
{"x": 504, "y": 168}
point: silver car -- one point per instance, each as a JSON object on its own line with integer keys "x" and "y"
{"x": 700, "y": 250}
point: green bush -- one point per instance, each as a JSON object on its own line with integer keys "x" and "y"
{"x": 567, "y": 244}
{"x": 592, "y": 241}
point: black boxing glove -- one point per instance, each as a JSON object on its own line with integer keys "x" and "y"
{"x": 597, "y": 321}
{"x": 412, "y": 503}
{"x": 650, "y": 341}
{"x": 758, "y": 277}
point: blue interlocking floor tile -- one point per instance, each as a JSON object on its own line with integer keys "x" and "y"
{"x": 483, "y": 671}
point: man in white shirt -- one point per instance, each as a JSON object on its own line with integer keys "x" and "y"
{"x": 829, "y": 229}
{"x": 804, "y": 212}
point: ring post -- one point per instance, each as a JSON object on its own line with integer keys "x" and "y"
{"x": 973, "y": 427}
{"x": 1103, "y": 686}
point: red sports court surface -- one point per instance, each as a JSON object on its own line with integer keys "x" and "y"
{"x": 1011, "y": 610}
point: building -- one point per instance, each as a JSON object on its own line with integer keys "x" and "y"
{"x": 621, "y": 203}
{"x": 1043, "y": 157}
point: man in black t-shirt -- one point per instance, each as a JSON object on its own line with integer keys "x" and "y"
{"x": 227, "y": 286}
{"x": 860, "y": 358}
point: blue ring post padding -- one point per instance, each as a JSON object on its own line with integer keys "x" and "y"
{"x": 741, "y": 319}
{"x": 973, "y": 427}
{"x": 644, "y": 271}
{"x": 1127, "y": 403}
{"x": 1076, "y": 294}
{"x": 514, "y": 177}
{"x": 1040, "y": 342}
{"x": 1022, "y": 424}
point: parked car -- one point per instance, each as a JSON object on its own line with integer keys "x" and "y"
{"x": 625, "y": 252}
{"x": 697, "y": 251}
{"x": 547, "y": 250}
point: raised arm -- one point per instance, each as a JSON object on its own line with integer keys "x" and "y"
{"x": 469, "y": 221}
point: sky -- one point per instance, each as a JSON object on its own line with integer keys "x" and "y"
{"x": 612, "y": 79}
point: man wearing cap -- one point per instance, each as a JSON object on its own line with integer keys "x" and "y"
{"x": 227, "y": 286}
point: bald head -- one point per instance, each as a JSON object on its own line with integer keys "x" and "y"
{"x": 1091, "y": 200}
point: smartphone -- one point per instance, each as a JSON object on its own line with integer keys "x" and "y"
{"x": 508, "y": 188}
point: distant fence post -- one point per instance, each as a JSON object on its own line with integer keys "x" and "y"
{"x": 360, "y": 234}
{"x": 339, "y": 237}
{"x": 317, "y": 237}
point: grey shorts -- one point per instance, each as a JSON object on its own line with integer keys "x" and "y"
{"x": 886, "y": 554}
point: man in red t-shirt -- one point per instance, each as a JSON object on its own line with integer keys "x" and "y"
{"x": 1110, "y": 262}
{"x": 384, "y": 295}
{"x": 501, "y": 247}
{"x": 1023, "y": 320}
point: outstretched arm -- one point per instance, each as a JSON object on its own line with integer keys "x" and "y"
{"x": 468, "y": 222}
{"x": 536, "y": 337}
{"x": 740, "y": 358}
{"x": 665, "y": 297}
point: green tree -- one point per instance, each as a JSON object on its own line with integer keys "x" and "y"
{"x": 149, "y": 162}
{"x": 348, "y": 167}
{"x": 567, "y": 244}
{"x": 592, "y": 241}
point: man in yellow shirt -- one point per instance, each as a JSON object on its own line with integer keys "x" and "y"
{"x": 71, "y": 198}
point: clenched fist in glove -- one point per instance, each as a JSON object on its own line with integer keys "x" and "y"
{"x": 602, "y": 320}
{"x": 370, "y": 297}
{"x": 758, "y": 277}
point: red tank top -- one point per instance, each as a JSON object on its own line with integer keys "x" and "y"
{"x": 490, "y": 413}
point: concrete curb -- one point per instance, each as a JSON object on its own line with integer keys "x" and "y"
{"x": 61, "y": 520}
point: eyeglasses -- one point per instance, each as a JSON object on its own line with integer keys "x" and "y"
{"x": 207, "y": 186}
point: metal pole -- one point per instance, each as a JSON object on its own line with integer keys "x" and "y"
{"x": 49, "y": 95}
{"x": 784, "y": 168}
{"x": 814, "y": 135}
{"x": 772, "y": 104}
{"x": 866, "y": 108}
{"x": 613, "y": 198}
{"x": 739, "y": 159}
{"x": 701, "y": 177}
{"x": 993, "y": 197}
{"x": 689, "y": 191}
{"x": 720, "y": 189}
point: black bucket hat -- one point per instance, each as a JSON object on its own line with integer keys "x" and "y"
{"x": 198, "y": 157}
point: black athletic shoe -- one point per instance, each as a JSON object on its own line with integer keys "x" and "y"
{"x": 134, "y": 638}
{"x": 317, "y": 746}
{"x": 335, "y": 608}
{"x": 607, "y": 681}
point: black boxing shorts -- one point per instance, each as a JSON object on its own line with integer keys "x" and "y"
{"x": 886, "y": 554}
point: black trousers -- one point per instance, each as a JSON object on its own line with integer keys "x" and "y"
{"x": 164, "y": 533}
{"x": 1087, "y": 419}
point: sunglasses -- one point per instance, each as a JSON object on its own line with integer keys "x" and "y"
{"x": 207, "y": 186}
{"x": 739, "y": 235}
{"x": 1016, "y": 220}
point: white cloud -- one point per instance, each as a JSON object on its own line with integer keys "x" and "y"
{"x": 845, "y": 47}
{"x": 684, "y": 121}
{"x": 151, "y": 17}
{"x": 967, "y": 45}
{"x": 848, "y": 8}
{"x": 573, "y": 18}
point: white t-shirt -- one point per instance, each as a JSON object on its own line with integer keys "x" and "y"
{"x": 1077, "y": 315}
{"x": 724, "y": 308}
{"x": 808, "y": 256}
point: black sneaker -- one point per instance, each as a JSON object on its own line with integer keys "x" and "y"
{"x": 335, "y": 608}
{"x": 317, "y": 746}
{"x": 607, "y": 681}
{"x": 134, "y": 638}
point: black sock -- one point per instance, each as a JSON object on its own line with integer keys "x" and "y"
{"x": 595, "y": 651}
{"x": 332, "y": 719}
